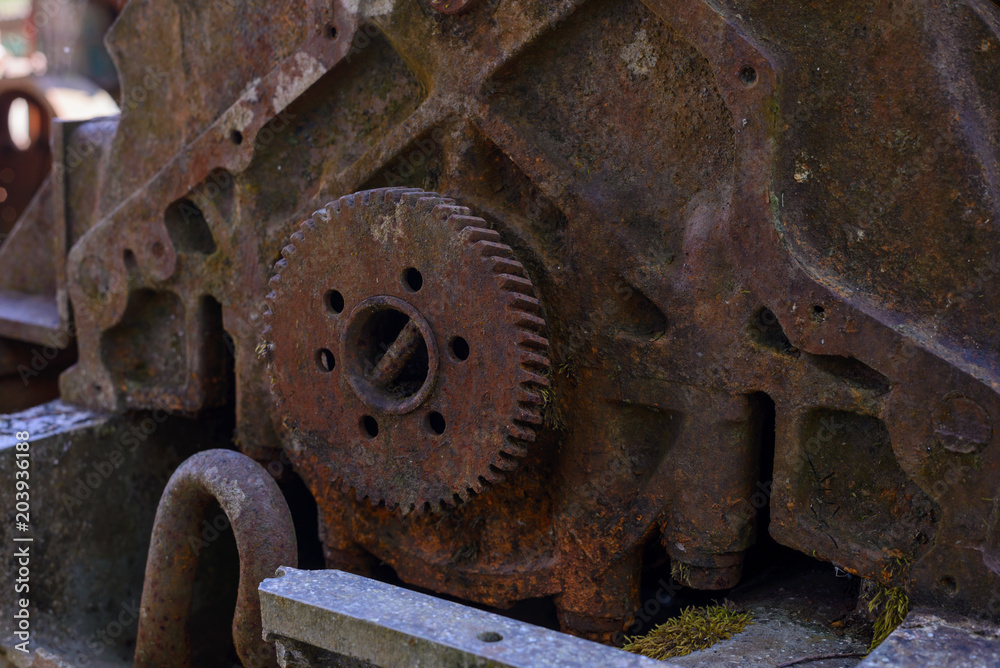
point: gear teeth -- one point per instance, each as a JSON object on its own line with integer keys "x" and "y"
{"x": 527, "y": 415}
{"x": 492, "y": 249}
{"x": 444, "y": 213}
{"x": 516, "y": 284}
{"x": 504, "y": 463}
{"x": 524, "y": 303}
{"x": 534, "y": 361}
{"x": 530, "y": 378}
{"x": 529, "y": 321}
{"x": 503, "y": 265}
{"x": 521, "y": 433}
{"x": 431, "y": 201}
{"x": 422, "y": 201}
{"x": 396, "y": 195}
{"x": 474, "y": 235}
{"x": 529, "y": 397}
{"x": 524, "y": 313}
{"x": 514, "y": 448}
{"x": 459, "y": 222}
{"x": 533, "y": 342}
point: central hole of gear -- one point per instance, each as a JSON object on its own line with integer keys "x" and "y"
{"x": 377, "y": 337}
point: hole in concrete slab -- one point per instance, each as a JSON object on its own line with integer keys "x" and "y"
{"x": 949, "y": 584}
{"x": 490, "y": 636}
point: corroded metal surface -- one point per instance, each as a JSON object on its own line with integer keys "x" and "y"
{"x": 265, "y": 538}
{"x": 407, "y": 350}
{"x": 738, "y": 218}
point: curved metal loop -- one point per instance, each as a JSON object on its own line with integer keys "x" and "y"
{"x": 265, "y": 538}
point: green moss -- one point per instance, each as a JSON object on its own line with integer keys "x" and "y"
{"x": 679, "y": 572}
{"x": 695, "y": 629}
{"x": 889, "y": 605}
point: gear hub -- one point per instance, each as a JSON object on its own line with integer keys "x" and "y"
{"x": 407, "y": 349}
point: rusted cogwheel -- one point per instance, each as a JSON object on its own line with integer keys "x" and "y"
{"x": 407, "y": 349}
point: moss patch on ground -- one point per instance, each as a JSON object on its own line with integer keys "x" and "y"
{"x": 695, "y": 629}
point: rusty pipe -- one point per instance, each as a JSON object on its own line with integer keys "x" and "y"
{"x": 265, "y": 538}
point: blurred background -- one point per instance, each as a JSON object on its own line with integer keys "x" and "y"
{"x": 53, "y": 65}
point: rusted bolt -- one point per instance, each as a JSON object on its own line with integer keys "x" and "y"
{"x": 265, "y": 538}
{"x": 452, "y": 6}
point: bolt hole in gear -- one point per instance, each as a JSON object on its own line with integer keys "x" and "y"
{"x": 335, "y": 301}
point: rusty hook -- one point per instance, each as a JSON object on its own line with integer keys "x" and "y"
{"x": 265, "y": 538}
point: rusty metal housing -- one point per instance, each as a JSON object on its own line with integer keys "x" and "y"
{"x": 524, "y": 287}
